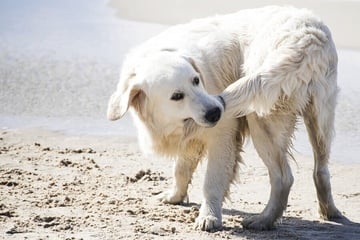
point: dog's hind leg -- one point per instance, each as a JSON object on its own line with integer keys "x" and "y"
{"x": 184, "y": 168}
{"x": 319, "y": 121}
{"x": 271, "y": 137}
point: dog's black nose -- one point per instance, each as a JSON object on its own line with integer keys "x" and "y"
{"x": 213, "y": 115}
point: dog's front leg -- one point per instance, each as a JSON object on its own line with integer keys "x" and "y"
{"x": 184, "y": 168}
{"x": 183, "y": 171}
{"x": 221, "y": 168}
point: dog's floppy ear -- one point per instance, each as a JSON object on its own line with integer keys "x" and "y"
{"x": 123, "y": 98}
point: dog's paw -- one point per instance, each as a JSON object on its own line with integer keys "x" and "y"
{"x": 258, "y": 222}
{"x": 335, "y": 216}
{"x": 209, "y": 218}
{"x": 172, "y": 198}
{"x": 208, "y": 223}
{"x": 330, "y": 213}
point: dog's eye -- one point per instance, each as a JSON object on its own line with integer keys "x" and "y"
{"x": 196, "y": 81}
{"x": 177, "y": 96}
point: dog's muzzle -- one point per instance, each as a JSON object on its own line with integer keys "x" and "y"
{"x": 213, "y": 115}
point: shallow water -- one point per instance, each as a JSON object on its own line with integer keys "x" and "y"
{"x": 60, "y": 61}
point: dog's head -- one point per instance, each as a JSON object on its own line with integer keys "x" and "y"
{"x": 167, "y": 91}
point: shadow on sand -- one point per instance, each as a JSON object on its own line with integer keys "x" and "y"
{"x": 297, "y": 228}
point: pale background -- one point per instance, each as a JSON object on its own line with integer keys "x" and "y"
{"x": 60, "y": 60}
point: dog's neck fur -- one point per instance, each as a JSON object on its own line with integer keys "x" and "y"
{"x": 156, "y": 141}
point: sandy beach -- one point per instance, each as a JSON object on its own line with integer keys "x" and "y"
{"x": 56, "y": 186}
{"x": 68, "y": 173}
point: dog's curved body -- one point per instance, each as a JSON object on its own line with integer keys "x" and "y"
{"x": 267, "y": 66}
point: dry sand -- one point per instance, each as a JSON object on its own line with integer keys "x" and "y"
{"x": 56, "y": 186}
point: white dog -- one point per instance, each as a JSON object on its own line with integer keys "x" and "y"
{"x": 267, "y": 67}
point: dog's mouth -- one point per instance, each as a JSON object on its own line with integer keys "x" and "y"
{"x": 190, "y": 127}
{"x": 191, "y": 122}
{"x": 187, "y": 120}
